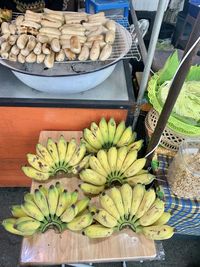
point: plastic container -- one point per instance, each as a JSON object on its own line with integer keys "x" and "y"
{"x": 144, "y": 5}
{"x": 184, "y": 171}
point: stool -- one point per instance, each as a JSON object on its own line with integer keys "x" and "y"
{"x": 100, "y": 5}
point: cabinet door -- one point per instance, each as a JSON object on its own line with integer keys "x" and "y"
{"x": 20, "y": 128}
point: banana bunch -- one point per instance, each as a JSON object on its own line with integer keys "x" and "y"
{"x": 119, "y": 165}
{"x": 57, "y": 157}
{"x": 108, "y": 134}
{"x": 136, "y": 208}
{"x": 49, "y": 208}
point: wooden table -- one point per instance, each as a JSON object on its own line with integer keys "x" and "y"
{"x": 69, "y": 247}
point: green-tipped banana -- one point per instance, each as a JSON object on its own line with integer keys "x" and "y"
{"x": 59, "y": 187}
{"x": 91, "y": 189}
{"x": 118, "y": 133}
{"x": 126, "y": 192}
{"x": 105, "y": 219}
{"x": 69, "y": 214}
{"x": 33, "y": 211}
{"x": 153, "y": 213}
{"x": 80, "y": 222}
{"x": 17, "y": 211}
{"x": 159, "y": 232}
{"x": 62, "y": 149}
{"x": 145, "y": 179}
{"x": 108, "y": 204}
{"x": 53, "y": 151}
{"x": 97, "y": 231}
{"x": 137, "y": 196}
{"x": 111, "y": 130}
{"x": 53, "y": 196}
{"x": 103, "y": 126}
{"x": 74, "y": 197}
{"x": 90, "y": 176}
{"x": 117, "y": 199}
{"x": 41, "y": 201}
{"x": 164, "y": 218}
{"x": 38, "y": 163}
{"x": 34, "y": 174}
{"x": 63, "y": 203}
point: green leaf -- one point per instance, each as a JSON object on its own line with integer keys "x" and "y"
{"x": 194, "y": 74}
{"x": 169, "y": 68}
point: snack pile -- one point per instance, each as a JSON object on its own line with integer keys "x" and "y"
{"x": 56, "y": 36}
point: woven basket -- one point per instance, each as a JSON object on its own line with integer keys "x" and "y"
{"x": 169, "y": 139}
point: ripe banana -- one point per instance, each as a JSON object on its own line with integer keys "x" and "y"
{"x": 97, "y": 133}
{"x": 103, "y": 126}
{"x": 126, "y": 137}
{"x": 53, "y": 151}
{"x": 69, "y": 214}
{"x": 17, "y": 211}
{"x": 145, "y": 179}
{"x": 97, "y": 231}
{"x": 53, "y": 196}
{"x": 112, "y": 159}
{"x": 59, "y": 187}
{"x": 34, "y": 174}
{"x": 103, "y": 217}
{"x": 90, "y": 176}
{"x": 126, "y": 192}
{"x": 91, "y": 139}
{"x": 153, "y": 213}
{"x": 44, "y": 190}
{"x": 83, "y": 164}
{"x": 117, "y": 199}
{"x": 38, "y": 163}
{"x": 95, "y": 165}
{"x": 89, "y": 148}
{"x": 103, "y": 159}
{"x": 41, "y": 201}
{"x": 44, "y": 153}
{"x": 27, "y": 224}
{"x": 74, "y": 197}
{"x": 78, "y": 155}
{"x": 82, "y": 204}
{"x": 118, "y": 133}
{"x": 137, "y": 166}
{"x": 136, "y": 145}
{"x": 80, "y": 222}
{"x": 71, "y": 148}
{"x": 63, "y": 203}
{"x": 111, "y": 130}
{"x": 9, "y": 223}
{"x": 28, "y": 197}
{"x": 164, "y": 218}
{"x": 138, "y": 194}
{"x": 129, "y": 160}
{"x": 147, "y": 201}
{"x": 32, "y": 210}
{"x": 91, "y": 189}
{"x": 62, "y": 149}
{"x": 159, "y": 232}
{"x": 121, "y": 155}
{"x": 108, "y": 204}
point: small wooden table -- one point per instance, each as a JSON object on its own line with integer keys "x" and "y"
{"x": 69, "y": 247}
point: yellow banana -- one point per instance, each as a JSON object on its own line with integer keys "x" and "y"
{"x": 119, "y": 131}
{"x": 17, "y": 211}
{"x": 82, "y": 204}
{"x": 71, "y": 148}
{"x": 134, "y": 135}
{"x": 41, "y": 201}
{"x": 89, "y": 148}
{"x": 142, "y": 172}
{"x": 126, "y": 192}
{"x": 53, "y": 196}
{"x": 147, "y": 201}
{"x": 63, "y": 203}
{"x": 44, "y": 153}
{"x": 164, "y": 218}
{"x": 97, "y": 231}
{"x": 34, "y": 174}
{"x": 93, "y": 209}
{"x": 97, "y": 133}
{"x": 111, "y": 130}
{"x": 95, "y": 165}
{"x": 90, "y": 176}
{"x": 121, "y": 155}
{"x": 112, "y": 159}
{"x": 78, "y": 155}
{"x": 105, "y": 219}
{"x": 59, "y": 187}
{"x": 117, "y": 199}
{"x": 62, "y": 149}
{"x": 74, "y": 197}
{"x": 108, "y": 204}
{"x": 153, "y": 213}
{"x": 126, "y": 137}
{"x": 103, "y": 159}
{"x": 44, "y": 190}
{"x": 9, "y": 223}
{"x": 91, "y": 139}
{"x": 82, "y": 165}
{"x": 136, "y": 145}
{"x": 29, "y": 197}
{"x": 103, "y": 126}
{"x": 145, "y": 179}
{"x": 137, "y": 166}
{"x": 38, "y": 163}
{"x": 69, "y": 214}
{"x": 159, "y": 232}
{"x": 130, "y": 158}
{"x": 53, "y": 150}
{"x": 32, "y": 210}
{"x": 80, "y": 222}
{"x": 91, "y": 189}
{"x": 27, "y": 224}
{"x": 138, "y": 194}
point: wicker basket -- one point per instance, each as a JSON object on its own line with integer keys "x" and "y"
{"x": 169, "y": 139}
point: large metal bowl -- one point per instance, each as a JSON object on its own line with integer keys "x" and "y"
{"x": 71, "y": 77}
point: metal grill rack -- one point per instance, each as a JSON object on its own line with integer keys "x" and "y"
{"x": 120, "y": 50}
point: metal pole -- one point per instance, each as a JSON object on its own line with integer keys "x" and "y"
{"x": 151, "y": 52}
{"x": 138, "y": 32}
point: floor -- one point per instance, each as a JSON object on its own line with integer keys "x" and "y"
{"x": 180, "y": 251}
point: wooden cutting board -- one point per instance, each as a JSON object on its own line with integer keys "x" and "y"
{"x": 70, "y": 247}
